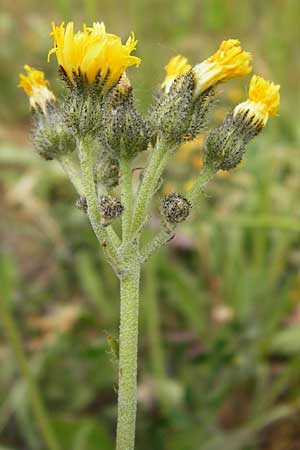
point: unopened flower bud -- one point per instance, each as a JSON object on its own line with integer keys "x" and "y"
{"x": 81, "y": 204}
{"x": 175, "y": 208}
{"x": 82, "y": 112}
{"x": 51, "y": 138}
{"x": 226, "y": 145}
{"x": 177, "y": 115}
{"x": 124, "y": 132}
{"x": 110, "y": 208}
{"x": 180, "y": 113}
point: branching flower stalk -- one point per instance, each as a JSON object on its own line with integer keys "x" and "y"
{"x": 95, "y": 133}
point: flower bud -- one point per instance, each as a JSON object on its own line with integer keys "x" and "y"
{"x": 175, "y": 208}
{"x": 51, "y": 138}
{"x": 226, "y": 145}
{"x": 110, "y": 208}
{"x": 124, "y": 131}
{"x": 187, "y": 92}
{"x": 82, "y": 112}
{"x": 177, "y": 115}
{"x": 81, "y": 204}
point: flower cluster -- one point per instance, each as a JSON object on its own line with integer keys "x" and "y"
{"x": 187, "y": 92}
{"x": 99, "y": 106}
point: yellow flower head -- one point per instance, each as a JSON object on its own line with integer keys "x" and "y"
{"x": 230, "y": 61}
{"x": 263, "y": 101}
{"x": 35, "y": 86}
{"x": 92, "y": 52}
{"x": 177, "y": 66}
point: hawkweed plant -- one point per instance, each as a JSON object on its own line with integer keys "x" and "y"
{"x": 95, "y": 133}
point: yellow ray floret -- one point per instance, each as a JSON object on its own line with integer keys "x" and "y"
{"x": 230, "y": 61}
{"x": 263, "y": 100}
{"x": 35, "y": 86}
{"x": 92, "y": 51}
{"x": 177, "y": 66}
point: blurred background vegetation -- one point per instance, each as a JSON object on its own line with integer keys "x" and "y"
{"x": 220, "y": 313}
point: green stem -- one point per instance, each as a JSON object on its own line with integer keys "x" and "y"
{"x": 72, "y": 171}
{"x": 153, "y": 322}
{"x": 155, "y": 168}
{"x": 126, "y": 197}
{"x": 205, "y": 175}
{"x": 106, "y": 235}
{"x": 158, "y": 241}
{"x": 38, "y": 406}
{"x": 128, "y": 347}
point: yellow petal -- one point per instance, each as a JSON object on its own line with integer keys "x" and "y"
{"x": 229, "y": 61}
{"x": 35, "y": 86}
{"x": 92, "y": 51}
{"x": 177, "y": 66}
{"x": 263, "y": 100}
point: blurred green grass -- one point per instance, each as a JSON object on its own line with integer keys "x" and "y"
{"x": 219, "y": 344}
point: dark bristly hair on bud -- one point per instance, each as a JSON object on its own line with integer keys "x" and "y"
{"x": 175, "y": 208}
{"x": 225, "y": 146}
{"x": 83, "y": 112}
{"x": 110, "y": 209}
{"x": 83, "y": 103}
{"x": 124, "y": 131}
{"x": 202, "y": 106}
{"x": 177, "y": 114}
{"x": 81, "y": 204}
{"x": 80, "y": 85}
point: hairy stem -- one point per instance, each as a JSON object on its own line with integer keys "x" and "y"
{"x": 106, "y": 235}
{"x": 38, "y": 407}
{"x": 128, "y": 347}
{"x": 205, "y": 175}
{"x": 155, "y": 168}
{"x": 164, "y": 236}
{"x": 126, "y": 197}
{"x": 72, "y": 170}
{"x": 153, "y": 322}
